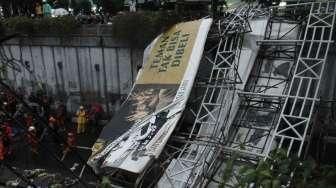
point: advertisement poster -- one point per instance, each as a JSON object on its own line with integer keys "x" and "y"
{"x": 156, "y": 88}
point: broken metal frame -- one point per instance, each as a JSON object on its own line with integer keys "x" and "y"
{"x": 259, "y": 98}
{"x": 291, "y": 129}
{"x": 195, "y": 159}
{"x": 278, "y": 48}
{"x": 298, "y": 98}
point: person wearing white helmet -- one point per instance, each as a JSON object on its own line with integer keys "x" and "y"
{"x": 31, "y": 128}
{"x": 32, "y": 140}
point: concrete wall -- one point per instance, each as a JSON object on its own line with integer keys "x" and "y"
{"x": 78, "y": 68}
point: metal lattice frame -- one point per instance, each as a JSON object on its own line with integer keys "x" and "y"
{"x": 292, "y": 126}
{"x": 195, "y": 157}
{"x": 289, "y": 109}
{"x": 264, "y": 93}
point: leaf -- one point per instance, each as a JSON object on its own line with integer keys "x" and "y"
{"x": 266, "y": 173}
{"x": 276, "y": 184}
{"x": 266, "y": 183}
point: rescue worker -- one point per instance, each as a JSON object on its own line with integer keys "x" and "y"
{"x": 2, "y": 147}
{"x": 81, "y": 120}
{"x": 7, "y": 136}
{"x": 60, "y": 116}
{"x": 94, "y": 115}
{"x": 52, "y": 122}
{"x": 32, "y": 140}
{"x": 29, "y": 119}
{"x": 70, "y": 142}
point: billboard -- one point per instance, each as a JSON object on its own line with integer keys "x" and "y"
{"x": 144, "y": 123}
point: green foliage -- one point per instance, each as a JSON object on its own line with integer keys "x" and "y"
{"x": 20, "y": 24}
{"x": 277, "y": 171}
{"x": 51, "y": 26}
{"x": 227, "y": 175}
{"x": 105, "y": 183}
{"x": 139, "y": 28}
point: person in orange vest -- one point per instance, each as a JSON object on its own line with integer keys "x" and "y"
{"x": 70, "y": 142}
{"x": 81, "y": 120}
{"x": 60, "y": 116}
{"x": 2, "y": 147}
{"x": 29, "y": 119}
{"x": 52, "y": 122}
{"x": 32, "y": 140}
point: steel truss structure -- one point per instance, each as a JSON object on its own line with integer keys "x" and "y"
{"x": 276, "y": 104}
{"x": 291, "y": 129}
{"x": 222, "y": 54}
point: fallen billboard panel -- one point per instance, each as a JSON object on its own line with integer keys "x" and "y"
{"x": 143, "y": 125}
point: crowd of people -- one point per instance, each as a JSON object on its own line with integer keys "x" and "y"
{"x": 37, "y": 117}
{"x": 42, "y": 10}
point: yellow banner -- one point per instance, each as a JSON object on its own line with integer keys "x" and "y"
{"x": 170, "y": 55}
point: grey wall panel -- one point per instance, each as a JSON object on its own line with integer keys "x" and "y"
{"x": 27, "y": 60}
{"x": 85, "y": 69}
{"x": 59, "y": 60}
{"x": 111, "y": 70}
{"x": 98, "y": 78}
{"x": 38, "y": 64}
{"x": 71, "y": 71}
{"x": 125, "y": 76}
{"x": 50, "y": 69}
{"x": 15, "y": 53}
{"x": 94, "y": 72}
{"x": 10, "y": 73}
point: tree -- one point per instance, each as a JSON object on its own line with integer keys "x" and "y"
{"x": 276, "y": 172}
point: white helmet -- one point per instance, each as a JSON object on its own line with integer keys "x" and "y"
{"x": 31, "y": 128}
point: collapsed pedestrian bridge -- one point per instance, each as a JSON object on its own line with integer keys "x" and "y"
{"x": 246, "y": 83}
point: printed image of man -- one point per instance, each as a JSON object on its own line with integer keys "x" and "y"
{"x": 147, "y": 101}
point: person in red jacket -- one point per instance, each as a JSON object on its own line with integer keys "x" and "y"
{"x": 2, "y": 147}
{"x": 52, "y": 122}
{"x": 32, "y": 140}
{"x": 29, "y": 120}
{"x": 7, "y": 136}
